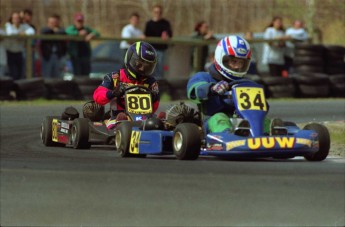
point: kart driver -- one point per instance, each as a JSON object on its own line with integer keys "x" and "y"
{"x": 232, "y": 60}
{"x": 140, "y": 61}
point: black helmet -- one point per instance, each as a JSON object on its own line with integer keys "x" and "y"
{"x": 140, "y": 60}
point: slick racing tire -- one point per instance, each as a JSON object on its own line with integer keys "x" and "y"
{"x": 46, "y": 133}
{"x": 80, "y": 133}
{"x": 122, "y": 138}
{"x": 324, "y": 142}
{"x": 186, "y": 142}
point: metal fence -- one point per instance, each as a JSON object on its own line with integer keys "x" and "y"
{"x": 196, "y": 44}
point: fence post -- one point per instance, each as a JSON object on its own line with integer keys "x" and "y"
{"x": 197, "y": 59}
{"x": 28, "y": 58}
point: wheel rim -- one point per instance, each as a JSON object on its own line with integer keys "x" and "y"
{"x": 178, "y": 141}
{"x": 74, "y": 134}
{"x": 118, "y": 138}
{"x": 41, "y": 133}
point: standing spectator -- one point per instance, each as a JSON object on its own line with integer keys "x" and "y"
{"x": 15, "y": 47}
{"x": 202, "y": 32}
{"x": 26, "y": 16}
{"x": 298, "y": 34}
{"x": 131, "y": 30}
{"x": 80, "y": 51}
{"x": 273, "y": 53}
{"x": 158, "y": 27}
{"x": 53, "y": 51}
{"x": 3, "y": 62}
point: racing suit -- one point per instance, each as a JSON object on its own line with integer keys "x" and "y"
{"x": 216, "y": 110}
{"x": 104, "y": 93}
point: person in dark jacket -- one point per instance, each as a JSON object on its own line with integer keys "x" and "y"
{"x": 53, "y": 51}
{"x": 158, "y": 27}
{"x": 80, "y": 51}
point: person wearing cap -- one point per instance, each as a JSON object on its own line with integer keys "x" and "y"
{"x": 80, "y": 51}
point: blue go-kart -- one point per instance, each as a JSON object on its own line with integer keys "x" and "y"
{"x": 186, "y": 138}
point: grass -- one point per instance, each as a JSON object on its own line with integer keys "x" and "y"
{"x": 41, "y": 101}
{"x": 337, "y": 133}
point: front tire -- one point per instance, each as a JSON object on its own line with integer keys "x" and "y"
{"x": 324, "y": 142}
{"x": 80, "y": 133}
{"x": 122, "y": 137}
{"x": 187, "y": 141}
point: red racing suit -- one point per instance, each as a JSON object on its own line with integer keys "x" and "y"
{"x": 103, "y": 93}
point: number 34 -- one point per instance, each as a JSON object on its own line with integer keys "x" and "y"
{"x": 252, "y": 99}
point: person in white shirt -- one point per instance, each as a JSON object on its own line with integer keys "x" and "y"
{"x": 3, "y": 61}
{"x": 298, "y": 34}
{"x": 273, "y": 53}
{"x": 131, "y": 30}
{"x": 15, "y": 47}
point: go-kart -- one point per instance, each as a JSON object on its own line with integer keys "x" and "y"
{"x": 187, "y": 139}
{"x": 182, "y": 133}
{"x": 81, "y": 133}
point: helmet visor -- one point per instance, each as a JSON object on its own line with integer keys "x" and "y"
{"x": 236, "y": 64}
{"x": 141, "y": 66}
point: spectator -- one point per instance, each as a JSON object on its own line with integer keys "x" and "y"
{"x": 80, "y": 51}
{"x": 3, "y": 62}
{"x": 26, "y": 16}
{"x": 15, "y": 47}
{"x": 273, "y": 53}
{"x": 158, "y": 27}
{"x": 298, "y": 34}
{"x": 53, "y": 51}
{"x": 209, "y": 62}
{"x": 131, "y": 30}
{"x": 202, "y": 32}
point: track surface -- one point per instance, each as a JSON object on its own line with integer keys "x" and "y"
{"x": 60, "y": 186}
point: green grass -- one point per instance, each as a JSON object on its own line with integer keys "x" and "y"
{"x": 337, "y": 133}
{"x": 41, "y": 101}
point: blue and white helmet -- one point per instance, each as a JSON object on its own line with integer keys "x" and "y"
{"x": 232, "y": 57}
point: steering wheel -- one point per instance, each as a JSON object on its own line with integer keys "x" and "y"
{"x": 235, "y": 82}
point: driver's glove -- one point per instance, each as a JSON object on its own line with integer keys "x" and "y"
{"x": 220, "y": 88}
{"x": 118, "y": 91}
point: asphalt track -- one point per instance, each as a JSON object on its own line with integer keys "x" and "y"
{"x": 64, "y": 187}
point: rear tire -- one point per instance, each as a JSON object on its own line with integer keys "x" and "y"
{"x": 80, "y": 133}
{"x": 187, "y": 141}
{"x": 46, "y": 133}
{"x": 324, "y": 142}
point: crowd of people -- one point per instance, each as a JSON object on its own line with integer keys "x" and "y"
{"x": 52, "y": 53}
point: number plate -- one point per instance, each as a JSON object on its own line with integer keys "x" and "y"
{"x": 55, "y": 130}
{"x": 138, "y": 103}
{"x": 250, "y": 98}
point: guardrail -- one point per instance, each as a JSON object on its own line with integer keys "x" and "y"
{"x": 198, "y": 44}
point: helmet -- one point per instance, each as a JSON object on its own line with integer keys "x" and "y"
{"x": 232, "y": 57}
{"x": 140, "y": 59}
